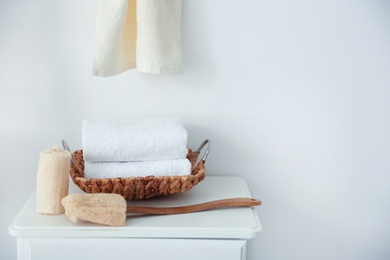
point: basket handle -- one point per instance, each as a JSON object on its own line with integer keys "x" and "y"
{"x": 203, "y": 144}
{"x": 66, "y": 148}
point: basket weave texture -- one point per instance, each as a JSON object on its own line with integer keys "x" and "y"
{"x": 138, "y": 188}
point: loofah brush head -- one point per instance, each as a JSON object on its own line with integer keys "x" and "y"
{"x": 105, "y": 209}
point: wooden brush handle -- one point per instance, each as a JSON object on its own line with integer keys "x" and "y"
{"x": 224, "y": 203}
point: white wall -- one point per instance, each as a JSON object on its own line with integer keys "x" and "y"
{"x": 294, "y": 94}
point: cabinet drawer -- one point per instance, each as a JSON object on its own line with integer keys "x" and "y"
{"x": 129, "y": 249}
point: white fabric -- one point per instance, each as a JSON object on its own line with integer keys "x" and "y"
{"x": 152, "y": 43}
{"x": 134, "y": 140}
{"x": 115, "y": 39}
{"x": 159, "y": 36}
{"x": 177, "y": 167}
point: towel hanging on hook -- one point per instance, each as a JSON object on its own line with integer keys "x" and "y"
{"x": 137, "y": 34}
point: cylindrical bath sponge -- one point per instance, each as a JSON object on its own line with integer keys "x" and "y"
{"x": 52, "y": 180}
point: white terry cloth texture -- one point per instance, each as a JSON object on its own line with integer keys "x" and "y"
{"x": 159, "y": 168}
{"x": 52, "y": 181}
{"x": 134, "y": 140}
{"x": 115, "y": 39}
{"x": 159, "y": 36}
{"x": 138, "y": 33}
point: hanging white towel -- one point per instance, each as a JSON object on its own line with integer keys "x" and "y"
{"x": 177, "y": 167}
{"x": 138, "y": 33}
{"x": 115, "y": 40}
{"x": 133, "y": 140}
{"x": 159, "y": 36}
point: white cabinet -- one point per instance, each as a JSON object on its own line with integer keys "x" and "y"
{"x": 215, "y": 234}
{"x": 129, "y": 248}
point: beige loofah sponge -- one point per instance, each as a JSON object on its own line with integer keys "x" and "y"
{"x": 105, "y": 209}
{"x": 52, "y": 180}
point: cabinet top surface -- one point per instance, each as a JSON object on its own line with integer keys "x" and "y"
{"x": 228, "y": 223}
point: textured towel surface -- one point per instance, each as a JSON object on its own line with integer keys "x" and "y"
{"x": 137, "y": 33}
{"x": 133, "y": 140}
{"x": 106, "y": 209}
{"x": 52, "y": 180}
{"x": 159, "y": 36}
{"x": 177, "y": 167}
{"x": 115, "y": 39}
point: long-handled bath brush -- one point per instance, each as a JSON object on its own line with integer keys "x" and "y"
{"x": 111, "y": 209}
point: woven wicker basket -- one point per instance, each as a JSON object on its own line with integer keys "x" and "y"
{"x": 138, "y": 188}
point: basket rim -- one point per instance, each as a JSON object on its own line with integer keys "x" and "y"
{"x": 140, "y": 187}
{"x": 190, "y": 153}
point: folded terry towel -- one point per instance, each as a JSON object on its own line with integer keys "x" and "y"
{"x": 98, "y": 170}
{"x": 115, "y": 40}
{"x": 137, "y": 33}
{"x": 159, "y": 36}
{"x": 134, "y": 140}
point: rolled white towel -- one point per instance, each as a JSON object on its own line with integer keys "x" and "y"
{"x": 134, "y": 140}
{"x": 177, "y": 167}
